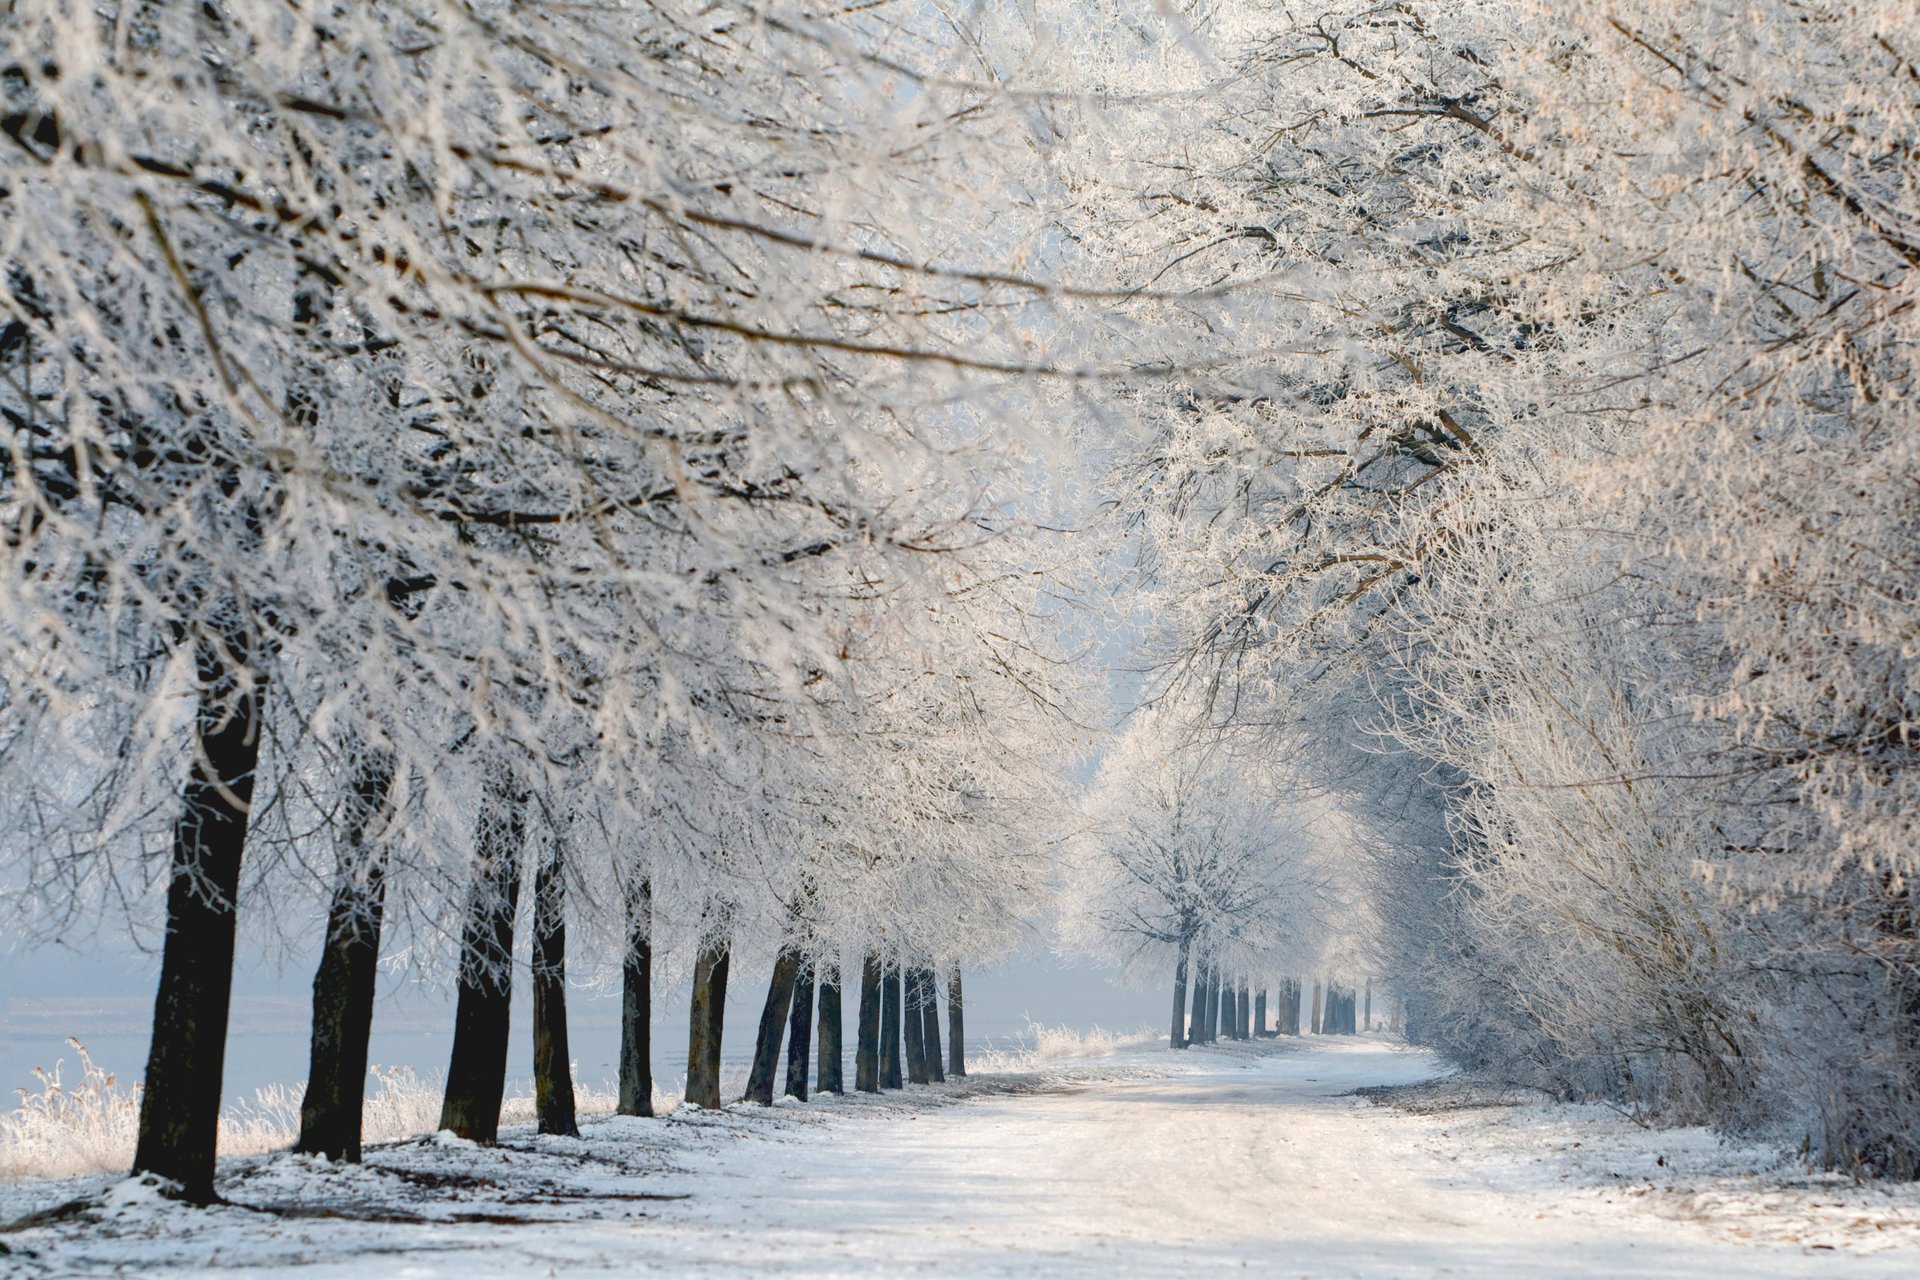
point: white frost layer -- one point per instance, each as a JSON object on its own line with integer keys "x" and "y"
{"x": 1141, "y": 1163}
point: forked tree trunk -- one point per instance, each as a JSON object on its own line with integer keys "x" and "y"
{"x": 890, "y": 1025}
{"x": 333, "y": 1106}
{"x": 477, "y": 1070}
{"x": 773, "y": 1023}
{"x": 956, "y": 1026}
{"x": 800, "y": 1033}
{"x": 553, "y": 1100}
{"x": 636, "y": 1006}
{"x": 914, "y": 1015}
{"x": 826, "y": 1078}
{"x": 706, "y": 1020}
{"x": 180, "y": 1105}
{"x": 930, "y": 1027}
{"x": 866, "y": 1050}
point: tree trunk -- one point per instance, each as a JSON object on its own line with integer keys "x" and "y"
{"x": 180, "y": 1104}
{"x": 914, "y": 1015}
{"x": 636, "y": 1006}
{"x": 477, "y": 1070}
{"x": 1178, "y": 1037}
{"x": 706, "y": 1019}
{"x": 1197, "y": 1019}
{"x": 956, "y": 1026}
{"x": 1260, "y": 1031}
{"x": 800, "y": 1033}
{"x": 826, "y": 1078}
{"x": 773, "y": 1022}
{"x": 930, "y": 1032}
{"x": 553, "y": 1100}
{"x": 1244, "y": 1001}
{"x": 890, "y": 1025}
{"x": 1315, "y": 1012}
{"x": 334, "y": 1104}
{"x": 1366, "y": 1011}
{"x": 866, "y": 1053}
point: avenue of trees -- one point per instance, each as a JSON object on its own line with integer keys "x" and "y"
{"x": 509, "y": 481}
{"x": 618, "y": 486}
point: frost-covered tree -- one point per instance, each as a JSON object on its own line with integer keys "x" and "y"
{"x": 426, "y": 412}
{"x": 1545, "y": 471}
{"x": 1190, "y": 858}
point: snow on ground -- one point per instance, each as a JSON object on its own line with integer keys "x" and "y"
{"x": 1144, "y": 1163}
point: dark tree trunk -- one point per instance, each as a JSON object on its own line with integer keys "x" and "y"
{"x": 1366, "y": 1010}
{"x": 773, "y": 1022}
{"x": 956, "y": 1026}
{"x": 636, "y": 1007}
{"x": 1244, "y": 1003}
{"x": 890, "y": 1025}
{"x": 914, "y": 1016}
{"x": 343, "y": 986}
{"x": 706, "y": 1019}
{"x": 477, "y": 1070}
{"x": 180, "y": 1105}
{"x": 827, "y": 1072}
{"x": 1177, "y": 1039}
{"x": 800, "y": 1033}
{"x": 1212, "y": 1011}
{"x": 866, "y": 1052}
{"x": 553, "y": 1099}
{"x": 1197, "y": 1021}
{"x": 1260, "y": 1015}
{"x": 1229, "y": 1014}
{"x": 930, "y": 1026}
{"x": 1315, "y": 1011}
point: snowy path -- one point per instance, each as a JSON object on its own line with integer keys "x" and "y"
{"x": 1252, "y": 1161}
{"x": 1259, "y": 1163}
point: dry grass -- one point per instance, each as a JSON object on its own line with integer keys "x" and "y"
{"x": 89, "y": 1126}
{"x": 1056, "y": 1044}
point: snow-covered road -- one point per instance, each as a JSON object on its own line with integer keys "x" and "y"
{"x": 1258, "y": 1163}
{"x": 1254, "y": 1159}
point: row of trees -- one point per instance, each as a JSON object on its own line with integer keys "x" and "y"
{"x": 1329, "y": 1010}
{"x": 455, "y": 450}
{"x": 1193, "y": 855}
{"x": 1541, "y": 488}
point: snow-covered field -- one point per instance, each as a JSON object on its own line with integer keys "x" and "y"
{"x": 1135, "y": 1162}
